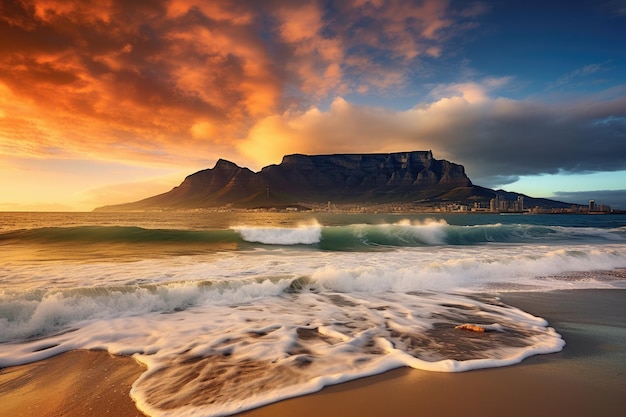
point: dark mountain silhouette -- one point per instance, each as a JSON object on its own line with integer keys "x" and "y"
{"x": 403, "y": 177}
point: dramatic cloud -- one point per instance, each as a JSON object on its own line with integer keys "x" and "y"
{"x": 90, "y": 77}
{"x": 498, "y": 139}
{"x": 168, "y": 80}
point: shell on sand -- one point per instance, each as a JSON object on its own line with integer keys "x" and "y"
{"x": 471, "y": 327}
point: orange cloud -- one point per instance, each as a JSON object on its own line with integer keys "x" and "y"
{"x": 121, "y": 81}
{"x": 170, "y": 80}
{"x": 84, "y": 11}
{"x": 342, "y": 129}
{"x": 366, "y": 46}
{"x": 300, "y": 22}
{"x": 444, "y": 125}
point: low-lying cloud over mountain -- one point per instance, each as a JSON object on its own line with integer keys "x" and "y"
{"x": 615, "y": 198}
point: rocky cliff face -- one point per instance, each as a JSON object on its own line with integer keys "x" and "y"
{"x": 395, "y": 176}
{"x": 348, "y": 178}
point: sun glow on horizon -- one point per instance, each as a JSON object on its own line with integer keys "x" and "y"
{"x": 94, "y": 95}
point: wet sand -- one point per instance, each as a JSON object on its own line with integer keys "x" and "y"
{"x": 587, "y": 378}
{"x": 78, "y": 383}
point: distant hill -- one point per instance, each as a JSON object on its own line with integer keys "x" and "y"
{"x": 403, "y": 177}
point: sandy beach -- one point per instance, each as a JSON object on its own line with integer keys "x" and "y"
{"x": 587, "y": 378}
{"x": 78, "y": 383}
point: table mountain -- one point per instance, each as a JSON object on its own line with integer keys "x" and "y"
{"x": 402, "y": 177}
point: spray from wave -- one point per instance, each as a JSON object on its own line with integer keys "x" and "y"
{"x": 302, "y": 235}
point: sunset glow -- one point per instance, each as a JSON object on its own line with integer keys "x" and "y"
{"x": 110, "y": 102}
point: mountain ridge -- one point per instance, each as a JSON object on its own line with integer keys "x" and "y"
{"x": 413, "y": 177}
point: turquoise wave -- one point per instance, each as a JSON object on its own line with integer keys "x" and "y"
{"x": 118, "y": 234}
{"x": 332, "y": 238}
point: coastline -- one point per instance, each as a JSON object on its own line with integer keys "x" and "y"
{"x": 587, "y": 378}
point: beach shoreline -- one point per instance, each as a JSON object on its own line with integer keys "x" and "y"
{"x": 587, "y": 378}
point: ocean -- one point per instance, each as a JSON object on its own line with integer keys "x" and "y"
{"x": 231, "y": 311}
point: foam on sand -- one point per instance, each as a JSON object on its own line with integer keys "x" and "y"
{"x": 235, "y": 357}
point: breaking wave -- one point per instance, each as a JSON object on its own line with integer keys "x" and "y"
{"x": 334, "y": 238}
{"x": 162, "y": 286}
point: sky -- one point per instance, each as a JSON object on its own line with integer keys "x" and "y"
{"x": 111, "y": 101}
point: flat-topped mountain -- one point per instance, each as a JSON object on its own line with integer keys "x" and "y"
{"x": 401, "y": 177}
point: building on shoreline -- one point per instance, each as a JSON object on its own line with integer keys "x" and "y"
{"x": 502, "y": 205}
{"x": 598, "y": 208}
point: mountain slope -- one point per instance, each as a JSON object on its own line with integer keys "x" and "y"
{"x": 402, "y": 177}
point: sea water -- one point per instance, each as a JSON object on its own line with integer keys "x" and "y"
{"x": 230, "y": 311}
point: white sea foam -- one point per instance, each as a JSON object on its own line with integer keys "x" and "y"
{"x": 170, "y": 285}
{"x": 429, "y": 231}
{"x": 287, "y": 345}
{"x": 301, "y": 235}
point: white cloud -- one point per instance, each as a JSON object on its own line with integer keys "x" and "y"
{"x": 496, "y": 138}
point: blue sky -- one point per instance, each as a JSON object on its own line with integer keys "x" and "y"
{"x": 110, "y": 103}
